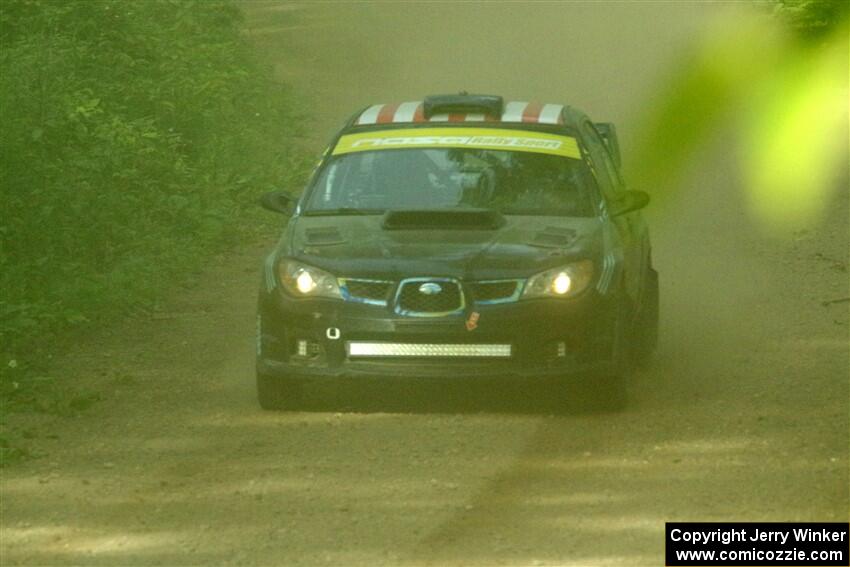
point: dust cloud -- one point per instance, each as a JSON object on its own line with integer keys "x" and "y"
{"x": 744, "y": 333}
{"x": 743, "y": 417}
{"x": 602, "y": 58}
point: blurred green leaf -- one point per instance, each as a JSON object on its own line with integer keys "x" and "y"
{"x": 786, "y": 98}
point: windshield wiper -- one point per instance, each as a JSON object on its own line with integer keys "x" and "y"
{"x": 342, "y": 211}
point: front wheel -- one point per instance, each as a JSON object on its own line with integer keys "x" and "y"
{"x": 645, "y": 330}
{"x": 277, "y": 393}
{"x": 607, "y": 392}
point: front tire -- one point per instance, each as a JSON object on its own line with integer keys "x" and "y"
{"x": 277, "y": 393}
{"x": 608, "y": 392}
{"x": 645, "y": 330}
{"x": 274, "y": 392}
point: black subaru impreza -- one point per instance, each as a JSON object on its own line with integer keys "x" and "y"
{"x": 461, "y": 236}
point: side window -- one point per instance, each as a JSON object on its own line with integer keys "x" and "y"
{"x": 612, "y": 184}
{"x": 612, "y": 169}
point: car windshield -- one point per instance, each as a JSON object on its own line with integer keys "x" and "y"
{"x": 511, "y": 182}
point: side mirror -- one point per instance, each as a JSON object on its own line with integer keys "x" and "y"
{"x": 629, "y": 201}
{"x": 278, "y": 201}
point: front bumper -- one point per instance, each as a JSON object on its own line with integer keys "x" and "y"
{"x": 315, "y": 339}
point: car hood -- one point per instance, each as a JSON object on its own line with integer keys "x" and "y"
{"x": 359, "y": 246}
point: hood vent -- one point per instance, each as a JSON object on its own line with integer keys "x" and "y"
{"x": 553, "y": 237}
{"x": 468, "y": 219}
{"x": 323, "y": 236}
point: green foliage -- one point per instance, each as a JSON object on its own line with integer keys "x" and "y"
{"x": 813, "y": 19}
{"x": 780, "y": 81}
{"x": 136, "y": 137}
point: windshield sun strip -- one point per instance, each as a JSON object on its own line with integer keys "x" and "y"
{"x": 458, "y": 137}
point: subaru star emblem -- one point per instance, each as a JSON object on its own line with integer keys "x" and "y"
{"x": 430, "y": 288}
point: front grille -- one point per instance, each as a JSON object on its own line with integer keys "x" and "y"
{"x": 495, "y": 291}
{"x": 413, "y": 299}
{"x": 367, "y": 291}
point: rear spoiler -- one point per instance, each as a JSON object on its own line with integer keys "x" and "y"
{"x": 609, "y": 136}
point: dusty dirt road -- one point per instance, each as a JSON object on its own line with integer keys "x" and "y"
{"x": 743, "y": 417}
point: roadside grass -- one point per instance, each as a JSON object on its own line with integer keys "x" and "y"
{"x": 137, "y": 138}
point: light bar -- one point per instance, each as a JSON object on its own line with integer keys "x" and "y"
{"x": 425, "y": 349}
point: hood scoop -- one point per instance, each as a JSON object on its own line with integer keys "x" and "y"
{"x": 444, "y": 219}
{"x": 323, "y": 236}
{"x": 553, "y": 237}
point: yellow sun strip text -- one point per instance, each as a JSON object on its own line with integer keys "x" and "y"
{"x": 482, "y": 138}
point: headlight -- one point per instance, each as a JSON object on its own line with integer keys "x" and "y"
{"x": 302, "y": 280}
{"x": 565, "y": 281}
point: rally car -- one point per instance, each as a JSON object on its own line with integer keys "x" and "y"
{"x": 461, "y": 236}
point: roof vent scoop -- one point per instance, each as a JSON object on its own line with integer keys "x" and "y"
{"x": 463, "y": 103}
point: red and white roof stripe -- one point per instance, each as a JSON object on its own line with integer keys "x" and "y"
{"x": 412, "y": 112}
